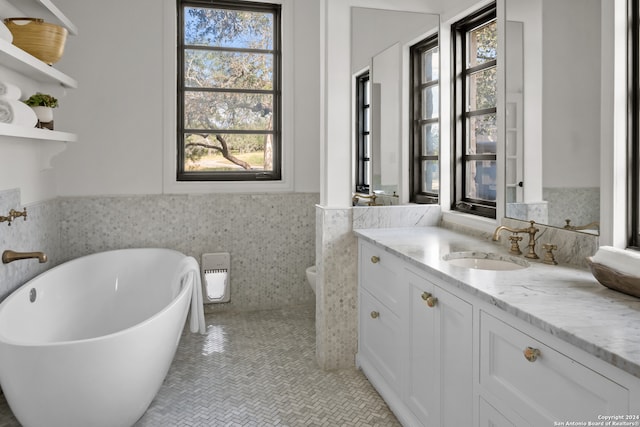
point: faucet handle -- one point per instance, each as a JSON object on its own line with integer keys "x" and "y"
{"x": 515, "y": 247}
{"x": 548, "y": 255}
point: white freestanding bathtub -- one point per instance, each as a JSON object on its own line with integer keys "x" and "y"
{"x": 89, "y": 342}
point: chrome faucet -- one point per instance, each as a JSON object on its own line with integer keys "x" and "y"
{"x": 531, "y": 231}
{"x": 10, "y": 256}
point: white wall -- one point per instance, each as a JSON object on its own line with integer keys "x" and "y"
{"x": 119, "y": 110}
{"x": 24, "y": 163}
{"x": 374, "y": 30}
{"x": 571, "y": 116}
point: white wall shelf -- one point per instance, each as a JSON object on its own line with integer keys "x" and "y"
{"x": 43, "y": 9}
{"x": 35, "y": 133}
{"x": 18, "y": 60}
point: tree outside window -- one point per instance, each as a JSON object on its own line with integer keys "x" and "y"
{"x": 475, "y": 48}
{"x": 229, "y": 91}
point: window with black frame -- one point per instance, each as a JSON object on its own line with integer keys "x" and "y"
{"x": 229, "y": 91}
{"x": 474, "y": 47}
{"x": 363, "y": 133}
{"x": 425, "y": 130}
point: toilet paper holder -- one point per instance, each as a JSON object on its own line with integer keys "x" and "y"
{"x": 216, "y": 268}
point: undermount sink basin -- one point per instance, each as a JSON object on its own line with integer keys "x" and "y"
{"x": 485, "y": 261}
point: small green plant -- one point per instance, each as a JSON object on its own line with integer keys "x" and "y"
{"x": 41, "y": 100}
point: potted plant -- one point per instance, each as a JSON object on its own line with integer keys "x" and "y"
{"x": 43, "y": 106}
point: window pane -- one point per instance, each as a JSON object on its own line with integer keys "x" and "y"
{"x": 483, "y": 43}
{"x": 482, "y": 89}
{"x": 430, "y": 66}
{"x": 430, "y": 176}
{"x": 366, "y": 123}
{"x": 430, "y": 99}
{"x": 244, "y": 152}
{"x": 483, "y": 134}
{"x": 481, "y": 180}
{"x": 366, "y": 147}
{"x": 367, "y": 172}
{"x": 430, "y": 139}
{"x": 228, "y": 28}
{"x": 213, "y": 110}
{"x": 367, "y": 86}
{"x": 229, "y": 70}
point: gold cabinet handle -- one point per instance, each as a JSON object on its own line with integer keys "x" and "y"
{"x": 375, "y": 259}
{"x": 430, "y": 299}
{"x": 375, "y": 314}
{"x": 531, "y": 354}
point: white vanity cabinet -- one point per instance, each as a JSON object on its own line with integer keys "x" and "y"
{"x": 415, "y": 342}
{"x": 440, "y": 377}
{"x": 539, "y": 383}
{"x": 382, "y": 297}
{"x": 442, "y": 356}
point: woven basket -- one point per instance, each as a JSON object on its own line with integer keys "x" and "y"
{"x": 43, "y": 40}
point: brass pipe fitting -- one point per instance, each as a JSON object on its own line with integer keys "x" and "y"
{"x": 15, "y": 214}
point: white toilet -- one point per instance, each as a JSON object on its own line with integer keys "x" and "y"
{"x": 311, "y": 277}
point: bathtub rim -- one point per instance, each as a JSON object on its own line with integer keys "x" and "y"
{"x": 12, "y": 342}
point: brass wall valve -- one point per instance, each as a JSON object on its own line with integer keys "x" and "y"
{"x": 15, "y": 214}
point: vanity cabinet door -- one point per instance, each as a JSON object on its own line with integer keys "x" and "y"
{"x": 491, "y": 417}
{"x": 380, "y": 340}
{"x": 440, "y": 384}
{"x": 379, "y": 271}
{"x": 540, "y": 383}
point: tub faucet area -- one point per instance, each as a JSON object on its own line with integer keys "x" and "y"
{"x": 10, "y": 256}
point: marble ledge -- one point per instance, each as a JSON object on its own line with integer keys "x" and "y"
{"x": 564, "y": 301}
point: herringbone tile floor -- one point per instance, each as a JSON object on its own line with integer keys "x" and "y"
{"x": 257, "y": 369}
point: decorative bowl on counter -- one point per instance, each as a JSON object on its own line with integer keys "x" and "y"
{"x": 41, "y": 39}
{"x": 614, "y": 279}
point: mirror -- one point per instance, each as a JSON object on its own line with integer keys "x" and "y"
{"x": 553, "y": 117}
{"x": 380, "y": 42}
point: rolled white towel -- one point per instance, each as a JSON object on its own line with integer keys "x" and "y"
{"x": 17, "y": 113}
{"x": 623, "y": 261}
{"x": 10, "y": 91}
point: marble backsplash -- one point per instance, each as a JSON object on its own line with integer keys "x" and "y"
{"x": 573, "y": 247}
{"x": 580, "y": 205}
{"x": 395, "y": 216}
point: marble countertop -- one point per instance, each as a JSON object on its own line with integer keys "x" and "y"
{"x": 564, "y": 301}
